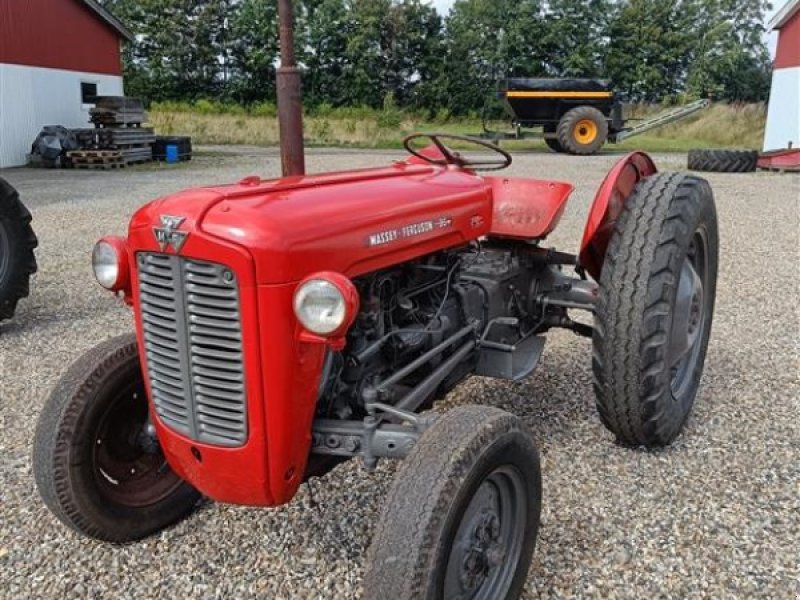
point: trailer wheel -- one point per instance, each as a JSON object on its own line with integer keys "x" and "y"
{"x": 17, "y": 242}
{"x": 582, "y": 130}
{"x": 97, "y": 464}
{"x": 723, "y": 161}
{"x": 553, "y": 142}
{"x": 461, "y": 518}
{"x": 655, "y": 308}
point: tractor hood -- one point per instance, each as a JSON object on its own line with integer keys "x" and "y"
{"x": 353, "y": 222}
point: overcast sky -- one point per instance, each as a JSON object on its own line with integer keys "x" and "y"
{"x": 443, "y": 6}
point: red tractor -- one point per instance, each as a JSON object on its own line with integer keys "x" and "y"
{"x": 284, "y": 326}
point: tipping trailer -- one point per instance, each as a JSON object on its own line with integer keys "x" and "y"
{"x": 577, "y": 116}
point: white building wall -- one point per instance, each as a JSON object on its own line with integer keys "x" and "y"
{"x": 32, "y": 97}
{"x": 783, "y": 119}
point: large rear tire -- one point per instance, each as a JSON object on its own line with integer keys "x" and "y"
{"x": 655, "y": 308}
{"x": 583, "y": 130}
{"x": 461, "y": 518}
{"x": 96, "y": 461}
{"x": 17, "y": 242}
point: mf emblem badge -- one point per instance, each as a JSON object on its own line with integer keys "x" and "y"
{"x": 168, "y": 235}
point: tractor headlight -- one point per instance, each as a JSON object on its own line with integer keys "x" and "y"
{"x": 110, "y": 263}
{"x": 326, "y": 304}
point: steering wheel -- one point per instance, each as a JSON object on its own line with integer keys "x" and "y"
{"x": 452, "y": 157}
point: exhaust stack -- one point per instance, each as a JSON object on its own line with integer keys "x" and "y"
{"x": 290, "y": 102}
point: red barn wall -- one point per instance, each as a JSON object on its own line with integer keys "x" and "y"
{"x": 59, "y": 34}
{"x": 788, "y": 54}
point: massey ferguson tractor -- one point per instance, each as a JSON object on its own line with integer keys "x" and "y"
{"x": 17, "y": 243}
{"x": 284, "y": 326}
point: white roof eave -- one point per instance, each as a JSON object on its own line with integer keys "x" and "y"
{"x": 783, "y": 15}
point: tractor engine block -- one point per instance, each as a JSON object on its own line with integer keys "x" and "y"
{"x": 410, "y": 309}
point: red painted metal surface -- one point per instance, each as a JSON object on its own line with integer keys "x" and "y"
{"x": 58, "y": 34}
{"x": 615, "y": 189}
{"x": 273, "y": 235}
{"x": 780, "y": 160}
{"x": 526, "y": 208}
{"x": 788, "y": 52}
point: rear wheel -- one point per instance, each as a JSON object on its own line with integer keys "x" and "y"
{"x": 461, "y": 518}
{"x": 97, "y": 462}
{"x": 17, "y": 242}
{"x": 552, "y": 142}
{"x": 655, "y": 308}
{"x": 582, "y": 130}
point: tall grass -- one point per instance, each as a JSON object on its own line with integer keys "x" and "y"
{"x": 208, "y": 122}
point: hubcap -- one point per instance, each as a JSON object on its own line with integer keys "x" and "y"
{"x": 689, "y": 315}
{"x": 488, "y": 542}
{"x": 585, "y": 131}
{"x": 130, "y": 468}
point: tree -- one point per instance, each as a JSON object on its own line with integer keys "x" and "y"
{"x": 575, "y": 37}
{"x": 488, "y": 40}
{"x": 178, "y": 49}
{"x": 650, "y": 48}
{"x": 252, "y": 41}
{"x": 730, "y": 61}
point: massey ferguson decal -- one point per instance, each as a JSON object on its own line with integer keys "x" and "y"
{"x": 167, "y": 236}
{"x": 408, "y": 231}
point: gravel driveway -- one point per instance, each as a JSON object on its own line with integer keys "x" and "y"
{"x": 717, "y": 515}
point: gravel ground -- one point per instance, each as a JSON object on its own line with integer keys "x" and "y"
{"x": 717, "y": 515}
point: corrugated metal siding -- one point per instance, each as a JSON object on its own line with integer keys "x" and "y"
{"x": 32, "y": 97}
{"x": 59, "y": 34}
{"x": 788, "y": 54}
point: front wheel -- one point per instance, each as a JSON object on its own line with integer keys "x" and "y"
{"x": 461, "y": 518}
{"x": 655, "y": 308}
{"x": 97, "y": 463}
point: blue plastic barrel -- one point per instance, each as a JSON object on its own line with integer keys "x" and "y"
{"x": 172, "y": 153}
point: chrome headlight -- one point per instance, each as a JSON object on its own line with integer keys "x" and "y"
{"x": 109, "y": 263}
{"x": 320, "y": 306}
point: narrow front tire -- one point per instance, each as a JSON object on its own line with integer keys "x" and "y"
{"x": 97, "y": 464}
{"x": 462, "y": 516}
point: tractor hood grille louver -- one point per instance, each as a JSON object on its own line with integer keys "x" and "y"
{"x": 193, "y": 347}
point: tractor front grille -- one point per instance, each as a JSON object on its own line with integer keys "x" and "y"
{"x": 193, "y": 347}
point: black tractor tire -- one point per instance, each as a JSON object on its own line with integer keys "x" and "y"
{"x": 553, "y": 142}
{"x": 723, "y": 161}
{"x": 17, "y": 242}
{"x": 652, "y": 321}
{"x": 462, "y": 515}
{"x": 582, "y": 130}
{"x": 115, "y": 488}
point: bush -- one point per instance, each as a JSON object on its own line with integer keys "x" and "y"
{"x": 264, "y": 109}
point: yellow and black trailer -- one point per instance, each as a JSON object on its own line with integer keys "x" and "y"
{"x": 577, "y": 116}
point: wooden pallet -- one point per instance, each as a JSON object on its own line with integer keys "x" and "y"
{"x": 94, "y": 154}
{"x": 97, "y": 159}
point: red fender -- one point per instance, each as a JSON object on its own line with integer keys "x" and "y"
{"x": 614, "y": 191}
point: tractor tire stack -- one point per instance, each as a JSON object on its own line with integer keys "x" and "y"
{"x": 723, "y": 161}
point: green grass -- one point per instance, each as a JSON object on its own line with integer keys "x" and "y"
{"x": 721, "y": 125}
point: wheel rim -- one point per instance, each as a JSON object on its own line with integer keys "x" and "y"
{"x": 690, "y": 315}
{"x": 129, "y": 467}
{"x": 5, "y": 251}
{"x": 585, "y": 131}
{"x": 488, "y": 543}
